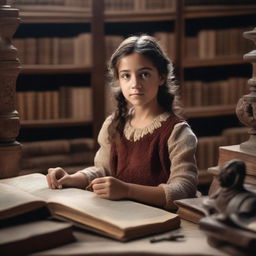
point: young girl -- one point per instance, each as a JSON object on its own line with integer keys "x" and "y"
{"x": 147, "y": 152}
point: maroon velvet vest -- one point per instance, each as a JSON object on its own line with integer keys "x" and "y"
{"x": 145, "y": 161}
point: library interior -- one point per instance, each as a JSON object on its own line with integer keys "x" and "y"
{"x": 55, "y": 96}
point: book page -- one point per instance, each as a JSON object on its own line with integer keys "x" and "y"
{"x": 14, "y": 201}
{"x": 123, "y": 213}
{"x": 29, "y": 183}
{"x": 35, "y": 184}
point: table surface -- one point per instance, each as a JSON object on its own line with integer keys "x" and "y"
{"x": 88, "y": 243}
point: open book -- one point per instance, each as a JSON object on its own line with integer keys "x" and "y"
{"x": 122, "y": 220}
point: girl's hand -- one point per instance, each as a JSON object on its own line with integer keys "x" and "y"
{"x": 110, "y": 188}
{"x": 57, "y": 178}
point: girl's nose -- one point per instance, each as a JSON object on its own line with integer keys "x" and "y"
{"x": 136, "y": 82}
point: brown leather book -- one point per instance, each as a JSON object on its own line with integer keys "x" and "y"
{"x": 191, "y": 209}
{"x": 235, "y": 152}
{"x": 26, "y": 238}
{"x": 229, "y": 235}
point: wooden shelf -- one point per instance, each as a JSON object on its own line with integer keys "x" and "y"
{"x": 54, "y": 69}
{"x": 35, "y": 15}
{"x": 219, "y": 61}
{"x": 195, "y": 12}
{"x": 54, "y": 123}
{"x": 209, "y": 111}
{"x": 139, "y": 17}
{"x": 54, "y": 17}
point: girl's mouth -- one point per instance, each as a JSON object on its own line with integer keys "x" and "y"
{"x": 136, "y": 94}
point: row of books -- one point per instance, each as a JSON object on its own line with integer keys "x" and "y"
{"x": 208, "y": 44}
{"x": 76, "y": 102}
{"x": 131, "y": 4}
{"x": 208, "y": 147}
{"x": 139, "y": 6}
{"x": 74, "y": 50}
{"x": 78, "y": 50}
{"x": 45, "y": 50}
{"x": 218, "y": 2}
{"x": 166, "y": 39}
{"x": 223, "y": 92}
{"x": 67, "y": 3}
{"x": 110, "y": 6}
{"x": 68, "y": 102}
{"x": 38, "y": 156}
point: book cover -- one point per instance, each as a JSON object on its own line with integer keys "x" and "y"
{"x": 29, "y": 237}
{"x": 191, "y": 209}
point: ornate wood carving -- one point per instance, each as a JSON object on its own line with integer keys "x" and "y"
{"x": 10, "y": 149}
{"x": 246, "y": 106}
{"x": 231, "y": 221}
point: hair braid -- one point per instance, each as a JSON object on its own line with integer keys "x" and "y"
{"x": 119, "y": 116}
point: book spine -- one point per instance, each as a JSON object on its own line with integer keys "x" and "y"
{"x": 53, "y": 147}
{"x": 63, "y": 160}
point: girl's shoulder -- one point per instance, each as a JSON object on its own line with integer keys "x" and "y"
{"x": 183, "y": 131}
{"x": 103, "y": 134}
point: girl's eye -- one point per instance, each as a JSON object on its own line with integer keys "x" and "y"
{"x": 145, "y": 75}
{"x": 125, "y": 76}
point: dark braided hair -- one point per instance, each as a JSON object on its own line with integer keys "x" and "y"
{"x": 149, "y": 48}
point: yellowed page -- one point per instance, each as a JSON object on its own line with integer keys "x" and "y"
{"x": 123, "y": 213}
{"x": 31, "y": 183}
{"x": 14, "y": 201}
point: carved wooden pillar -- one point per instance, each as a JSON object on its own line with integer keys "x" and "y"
{"x": 246, "y": 106}
{"x": 10, "y": 149}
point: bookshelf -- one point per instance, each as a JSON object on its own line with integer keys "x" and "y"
{"x": 203, "y": 61}
{"x": 44, "y": 16}
{"x": 56, "y": 51}
{"x": 183, "y": 20}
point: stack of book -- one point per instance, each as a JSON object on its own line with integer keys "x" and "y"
{"x": 230, "y": 152}
{"x": 72, "y": 154}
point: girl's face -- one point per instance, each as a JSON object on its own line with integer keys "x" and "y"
{"x": 139, "y": 80}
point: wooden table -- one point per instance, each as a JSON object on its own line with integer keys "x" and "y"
{"x": 195, "y": 243}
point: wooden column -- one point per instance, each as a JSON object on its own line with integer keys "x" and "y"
{"x": 99, "y": 66}
{"x": 179, "y": 43}
{"x": 10, "y": 149}
{"x": 246, "y": 107}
